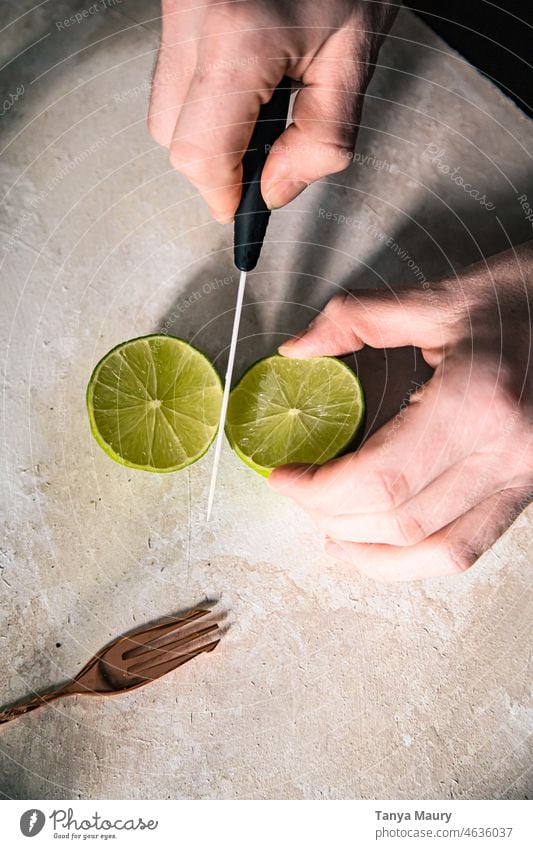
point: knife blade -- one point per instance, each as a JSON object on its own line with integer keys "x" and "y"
{"x": 227, "y": 387}
{"x": 251, "y": 220}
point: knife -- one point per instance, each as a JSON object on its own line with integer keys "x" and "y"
{"x": 251, "y": 220}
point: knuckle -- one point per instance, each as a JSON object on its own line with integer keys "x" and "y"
{"x": 197, "y": 161}
{"x": 323, "y": 523}
{"x": 450, "y": 307}
{"x": 409, "y": 528}
{"x": 157, "y": 130}
{"x": 389, "y": 488}
{"x": 338, "y": 318}
{"x": 507, "y": 400}
{"x": 335, "y": 305}
{"x": 496, "y": 393}
{"x": 461, "y": 556}
{"x": 236, "y": 18}
{"x": 337, "y": 311}
{"x": 517, "y": 499}
{"x": 185, "y": 158}
{"x": 178, "y": 158}
{"x": 326, "y": 524}
{"x": 337, "y": 157}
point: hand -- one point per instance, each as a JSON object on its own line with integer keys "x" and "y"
{"x": 437, "y": 485}
{"x": 220, "y": 61}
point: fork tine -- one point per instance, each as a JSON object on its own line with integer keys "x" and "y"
{"x": 143, "y": 660}
{"x": 168, "y": 665}
{"x": 159, "y": 633}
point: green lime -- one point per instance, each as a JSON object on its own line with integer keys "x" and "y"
{"x": 294, "y": 411}
{"x": 154, "y": 403}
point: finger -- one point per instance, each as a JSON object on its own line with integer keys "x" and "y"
{"x": 319, "y": 141}
{"x": 176, "y": 62}
{"x": 381, "y": 319}
{"x": 452, "y": 495}
{"x": 451, "y": 551}
{"x": 447, "y": 420}
{"x": 325, "y": 118}
{"x": 215, "y": 125}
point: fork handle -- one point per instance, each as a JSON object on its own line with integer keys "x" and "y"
{"x": 20, "y": 710}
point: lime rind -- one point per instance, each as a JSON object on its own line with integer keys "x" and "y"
{"x": 196, "y": 432}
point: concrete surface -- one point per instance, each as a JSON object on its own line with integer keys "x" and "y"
{"x": 326, "y": 685}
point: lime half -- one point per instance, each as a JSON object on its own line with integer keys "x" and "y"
{"x": 154, "y": 403}
{"x": 294, "y": 411}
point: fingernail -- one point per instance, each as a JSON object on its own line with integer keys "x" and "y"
{"x": 283, "y": 191}
{"x": 287, "y": 347}
{"x": 290, "y": 343}
{"x": 299, "y": 347}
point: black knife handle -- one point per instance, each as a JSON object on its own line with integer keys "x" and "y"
{"x": 252, "y": 215}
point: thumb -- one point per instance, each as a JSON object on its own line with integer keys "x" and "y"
{"x": 316, "y": 144}
{"x": 381, "y": 319}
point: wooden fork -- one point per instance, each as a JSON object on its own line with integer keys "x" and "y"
{"x": 131, "y": 661}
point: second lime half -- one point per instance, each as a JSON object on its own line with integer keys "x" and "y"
{"x": 294, "y": 411}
